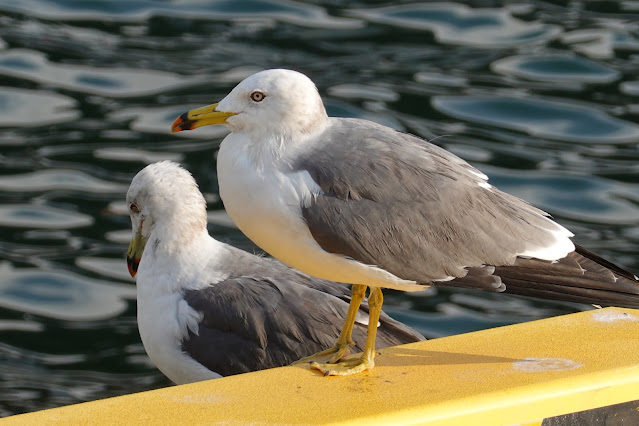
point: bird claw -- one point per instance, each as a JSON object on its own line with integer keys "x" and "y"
{"x": 344, "y": 368}
{"x": 337, "y": 352}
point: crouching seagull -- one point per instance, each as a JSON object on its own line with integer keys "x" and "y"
{"x": 206, "y": 309}
{"x": 352, "y": 201}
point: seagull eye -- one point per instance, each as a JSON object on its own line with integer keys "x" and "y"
{"x": 257, "y": 96}
{"x": 134, "y": 208}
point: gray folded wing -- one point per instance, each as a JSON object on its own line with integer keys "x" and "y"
{"x": 395, "y": 201}
{"x": 398, "y": 202}
{"x": 252, "y": 322}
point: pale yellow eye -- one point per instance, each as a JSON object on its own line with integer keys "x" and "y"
{"x": 134, "y": 208}
{"x": 257, "y": 96}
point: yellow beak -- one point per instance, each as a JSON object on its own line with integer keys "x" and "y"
{"x": 198, "y": 117}
{"x": 134, "y": 254}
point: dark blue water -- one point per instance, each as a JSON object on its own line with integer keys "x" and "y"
{"x": 541, "y": 96}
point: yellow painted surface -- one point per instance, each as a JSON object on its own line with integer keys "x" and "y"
{"x": 518, "y": 374}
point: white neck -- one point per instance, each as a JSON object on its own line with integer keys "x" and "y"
{"x": 267, "y": 152}
{"x": 182, "y": 262}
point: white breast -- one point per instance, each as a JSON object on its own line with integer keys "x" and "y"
{"x": 162, "y": 330}
{"x": 164, "y": 317}
{"x": 265, "y": 203}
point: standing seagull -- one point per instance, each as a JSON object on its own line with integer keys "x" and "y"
{"x": 206, "y": 309}
{"x": 356, "y": 202}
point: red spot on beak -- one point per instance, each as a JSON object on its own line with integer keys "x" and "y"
{"x": 132, "y": 264}
{"x": 182, "y": 123}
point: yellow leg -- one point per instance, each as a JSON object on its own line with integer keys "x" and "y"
{"x": 344, "y": 341}
{"x": 366, "y": 361}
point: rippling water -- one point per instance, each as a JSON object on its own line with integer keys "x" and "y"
{"x": 540, "y": 96}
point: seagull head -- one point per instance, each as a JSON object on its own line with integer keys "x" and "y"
{"x": 276, "y": 103}
{"x": 165, "y": 204}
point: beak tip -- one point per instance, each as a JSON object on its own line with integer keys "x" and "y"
{"x": 132, "y": 265}
{"x": 181, "y": 123}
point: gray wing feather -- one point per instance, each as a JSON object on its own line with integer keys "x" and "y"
{"x": 400, "y": 203}
{"x": 396, "y": 201}
{"x": 273, "y": 315}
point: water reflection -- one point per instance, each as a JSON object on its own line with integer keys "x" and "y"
{"x": 33, "y": 216}
{"x": 21, "y": 326}
{"x": 110, "y": 82}
{"x": 55, "y": 179}
{"x": 630, "y": 88}
{"x": 361, "y": 91}
{"x": 556, "y": 67}
{"x": 61, "y": 295}
{"x": 30, "y": 384}
{"x": 132, "y": 154}
{"x": 141, "y": 10}
{"x": 28, "y": 108}
{"x": 601, "y": 43}
{"x": 107, "y": 267}
{"x": 541, "y": 117}
{"x": 460, "y": 24}
{"x": 579, "y": 198}
{"x": 439, "y": 79}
